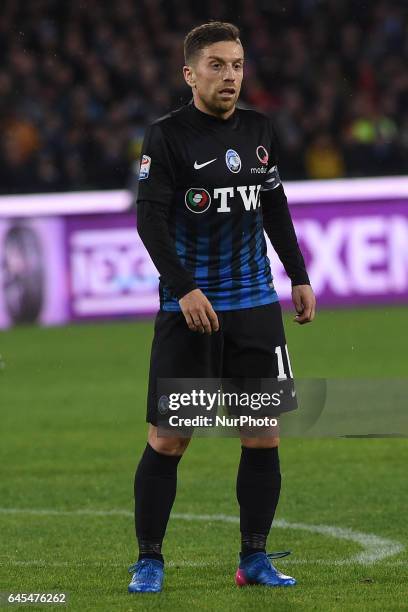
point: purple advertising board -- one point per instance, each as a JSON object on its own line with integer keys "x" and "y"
{"x": 356, "y": 252}
{"x": 72, "y": 267}
{"x": 110, "y": 273}
{"x": 33, "y": 285}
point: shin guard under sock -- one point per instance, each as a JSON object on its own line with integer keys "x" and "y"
{"x": 155, "y": 490}
{"x": 258, "y": 489}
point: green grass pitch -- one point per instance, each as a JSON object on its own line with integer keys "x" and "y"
{"x": 72, "y": 404}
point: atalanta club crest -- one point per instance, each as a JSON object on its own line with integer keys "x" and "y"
{"x": 197, "y": 200}
{"x": 262, "y": 155}
{"x": 233, "y": 161}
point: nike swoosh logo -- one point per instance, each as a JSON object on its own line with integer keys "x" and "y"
{"x": 197, "y": 166}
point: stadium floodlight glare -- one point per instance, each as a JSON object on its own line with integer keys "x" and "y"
{"x": 347, "y": 190}
{"x": 119, "y": 200}
{"x": 70, "y": 203}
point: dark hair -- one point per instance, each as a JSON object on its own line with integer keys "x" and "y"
{"x": 206, "y": 34}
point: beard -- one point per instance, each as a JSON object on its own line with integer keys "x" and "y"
{"x": 219, "y": 106}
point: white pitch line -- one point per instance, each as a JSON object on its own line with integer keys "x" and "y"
{"x": 101, "y": 563}
{"x": 176, "y": 564}
{"x": 52, "y": 512}
{"x": 375, "y": 548}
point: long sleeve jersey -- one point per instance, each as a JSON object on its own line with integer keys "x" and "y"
{"x": 208, "y": 188}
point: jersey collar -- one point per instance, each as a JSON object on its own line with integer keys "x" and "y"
{"x": 231, "y": 122}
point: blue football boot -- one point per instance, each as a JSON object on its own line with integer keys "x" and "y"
{"x": 258, "y": 569}
{"x": 147, "y": 576}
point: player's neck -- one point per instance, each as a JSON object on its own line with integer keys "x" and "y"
{"x": 198, "y": 103}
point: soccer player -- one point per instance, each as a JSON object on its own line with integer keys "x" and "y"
{"x": 208, "y": 187}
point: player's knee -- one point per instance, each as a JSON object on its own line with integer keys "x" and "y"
{"x": 167, "y": 445}
{"x": 170, "y": 447}
{"x": 264, "y": 442}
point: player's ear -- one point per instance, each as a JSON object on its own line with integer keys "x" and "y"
{"x": 189, "y": 76}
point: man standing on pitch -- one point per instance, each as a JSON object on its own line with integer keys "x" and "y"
{"x": 208, "y": 187}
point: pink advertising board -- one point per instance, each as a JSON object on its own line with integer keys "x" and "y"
{"x": 70, "y": 257}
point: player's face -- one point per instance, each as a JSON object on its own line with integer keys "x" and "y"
{"x": 216, "y": 77}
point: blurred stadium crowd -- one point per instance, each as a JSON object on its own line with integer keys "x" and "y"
{"x": 80, "y": 79}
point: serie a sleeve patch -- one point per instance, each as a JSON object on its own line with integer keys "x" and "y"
{"x": 145, "y": 167}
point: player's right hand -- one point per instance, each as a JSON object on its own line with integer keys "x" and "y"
{"x": 198, "y": 312}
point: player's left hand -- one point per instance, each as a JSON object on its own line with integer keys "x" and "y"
{"x": 305, "y": 303}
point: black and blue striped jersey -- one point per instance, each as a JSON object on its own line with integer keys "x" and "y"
{"x": 206, "y": 175}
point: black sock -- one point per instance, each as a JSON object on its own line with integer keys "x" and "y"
{"x": 155, "y": 491}
{"x": 258, "y": 489}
